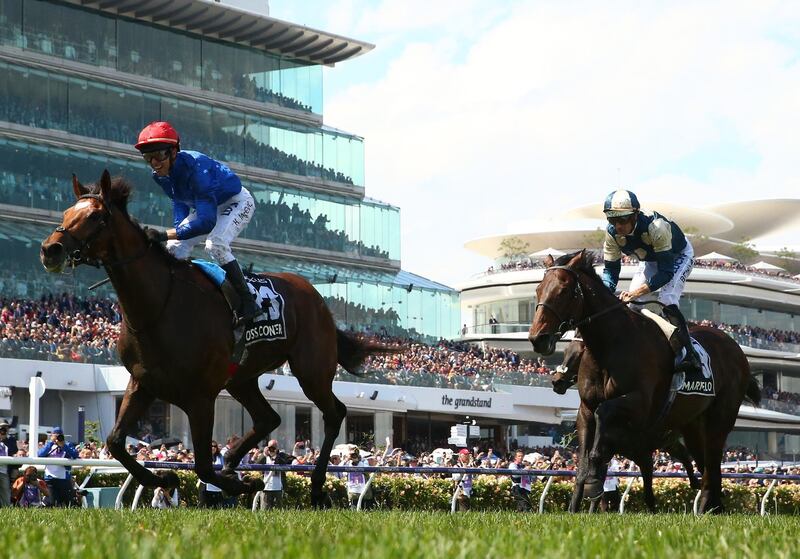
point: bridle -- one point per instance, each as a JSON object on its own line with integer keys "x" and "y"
{"x": 570, "y": 324}
{"x": 577, "y": 293}
{"x": 79, "y": 256}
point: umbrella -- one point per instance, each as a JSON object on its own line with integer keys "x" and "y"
{"x": 767, "y": 267}
{"x": 716, "y": 256}
{"x": 547, "y": 251}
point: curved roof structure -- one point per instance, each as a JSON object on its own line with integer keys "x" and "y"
{"x": 720, "y": 226}
{"x": 699, "y": 219}
{"x": 227, "y": 23}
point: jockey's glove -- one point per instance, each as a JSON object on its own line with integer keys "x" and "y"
{"x": 154, "y": 235}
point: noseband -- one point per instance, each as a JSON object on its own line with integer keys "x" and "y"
{"x": 569, "y": 324}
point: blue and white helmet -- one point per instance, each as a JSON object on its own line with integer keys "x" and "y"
{"x": 620, "y": 203}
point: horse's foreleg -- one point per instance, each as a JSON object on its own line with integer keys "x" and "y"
{"x": 645, "y": 463}
{"x": 135, "y": 403}
{"x": 265, "y": 420}
{"x": 201, "y": 422}
{"x": 585, "y": 427}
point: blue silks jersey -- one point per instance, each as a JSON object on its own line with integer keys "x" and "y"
{"x": 654, "y": 239}
{"x": 197, "y": 182}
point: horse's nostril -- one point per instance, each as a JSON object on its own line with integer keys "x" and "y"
{"x": 52, "y": 250}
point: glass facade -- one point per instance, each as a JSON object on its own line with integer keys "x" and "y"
{"x": 699, "y": 308}
{"x": 50, "y": 100}
{"x": 135, "y": 47}
{"x": 358, "y": 298}
{"x": 37, "y": 176}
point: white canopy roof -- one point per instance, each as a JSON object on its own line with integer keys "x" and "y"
{"x": 716, "y": 256}
{"x": 767, "y": 266}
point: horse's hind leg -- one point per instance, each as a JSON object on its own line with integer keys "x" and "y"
{"x": 678, "y": 450}
{"x": 265, "y": 420}
{"x": 134, "y": 405}
{"x": 316, "y": 380}
{"x": 201, "y": 422}
{"x": 694, "y": 439}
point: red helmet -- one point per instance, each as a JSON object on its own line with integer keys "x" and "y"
{"x": 157, "y": 133}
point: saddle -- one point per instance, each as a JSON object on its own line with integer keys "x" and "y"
{"x": 269, "y": 326}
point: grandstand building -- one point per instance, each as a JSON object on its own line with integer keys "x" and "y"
{"x": 759, "y": 305}
{"x": 80, "y": 78}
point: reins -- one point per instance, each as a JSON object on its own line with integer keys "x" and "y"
{"x": 571, "y": 324}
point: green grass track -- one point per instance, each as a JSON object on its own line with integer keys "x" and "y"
{"x": 233, "y": 534}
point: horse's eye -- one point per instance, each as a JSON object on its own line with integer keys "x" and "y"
{"x": 95, "y": 216}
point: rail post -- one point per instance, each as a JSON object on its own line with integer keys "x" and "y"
{"x": 766, "y": 497}
{"x": 543, "y": 496}
{"x": 137, "y": 496}
{"x": 366, "y": 487}
{"x": 123, "y": 487}
{"x": 454, "y": 500}
{"x": 631, "y": 481}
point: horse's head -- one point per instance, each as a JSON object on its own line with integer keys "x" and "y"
{"x": 560, "y": 301}
{"x": 84, "y": 235}
{"x": 567, "y": 373}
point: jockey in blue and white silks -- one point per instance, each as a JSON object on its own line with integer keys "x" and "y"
{"x": 209, "y": 204}
{"x": 665, "y": 255}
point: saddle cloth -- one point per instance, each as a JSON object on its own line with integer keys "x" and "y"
{"x": 701, "y": 383}
{"x": 269, "y": 326}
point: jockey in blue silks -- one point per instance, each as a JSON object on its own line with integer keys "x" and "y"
{"x": 209, "y": 204}
{"x": 666, "y": 259}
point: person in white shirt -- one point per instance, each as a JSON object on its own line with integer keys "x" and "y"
{"x": 356, "y": 482}
{"x": 611, "y": 497}
{"x": 165, "y": 498}
{"x": 211, "y": 495}
{"x": 520, "y": 484}
{"x": 273, "y": 481}
{"x": 464, "y": 481}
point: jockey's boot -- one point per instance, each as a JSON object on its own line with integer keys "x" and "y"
{"x": 248, "y": 308}
{"x": 691, "y": 361}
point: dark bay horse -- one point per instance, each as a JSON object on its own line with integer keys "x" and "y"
{"x": 176, "y": 337}
{"x": 580, "y": 367}
{"x": 639, "y": 363}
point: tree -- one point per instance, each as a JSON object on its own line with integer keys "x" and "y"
{"x": 788, "y": 258}
{"x": 744, "y": 251}
{"x": 595, "y": 239}
{"x": 513, "y": 248}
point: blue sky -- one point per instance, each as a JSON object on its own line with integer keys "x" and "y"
{"x": 479, "y": 116}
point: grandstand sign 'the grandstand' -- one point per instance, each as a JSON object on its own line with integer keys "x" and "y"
{"x": 473, "y": 402}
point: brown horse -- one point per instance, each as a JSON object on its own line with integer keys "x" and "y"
{"x": 639, "y": 363}
{"x": 580, "y": 367}
{"x": 176, "y": 337}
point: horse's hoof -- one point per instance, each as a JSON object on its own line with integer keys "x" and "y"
{"x": 320, "y": 500}
{"x": 592, "y": 490}
{"x": 169, "y": 479}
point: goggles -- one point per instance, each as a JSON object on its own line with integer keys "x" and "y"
{"x": 159, "y": 155}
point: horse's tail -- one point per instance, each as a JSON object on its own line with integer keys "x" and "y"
{"x": 352, "y": 351}
{"x": 753, "y": 392}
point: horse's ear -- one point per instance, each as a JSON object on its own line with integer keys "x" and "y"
{"x": 548, "y": 261}
{"x": 577, "y": 259}
{"x": 105, "y": 187}
{"x": 77, "y": 187}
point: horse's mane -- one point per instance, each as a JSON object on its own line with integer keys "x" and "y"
{"x": 585, "y": 265}
{"x": 120, "y": 193}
